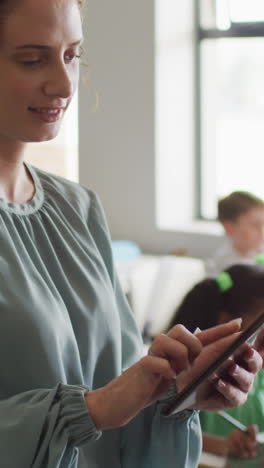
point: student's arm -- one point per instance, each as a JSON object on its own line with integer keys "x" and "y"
{"x": 243, "y": 444}
{"x": 214, "y": 444}
{"x": 237, "y": 443}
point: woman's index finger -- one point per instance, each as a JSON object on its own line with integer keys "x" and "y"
{"x": 220, "y": 331}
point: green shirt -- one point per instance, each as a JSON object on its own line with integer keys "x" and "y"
{"x": 66, "y": 327}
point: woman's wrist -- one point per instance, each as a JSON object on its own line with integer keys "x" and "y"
{"x": 94, "y": 406}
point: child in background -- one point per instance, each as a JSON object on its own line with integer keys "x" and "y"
{"x": 242, "y": 217}
{"x": 237, "y": 292}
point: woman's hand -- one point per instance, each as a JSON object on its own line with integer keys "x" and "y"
{"x": 177, "y": 353}
{"x": 259, "y": 344}
{"x": 243, "y": 444}
{"x": 230, "y": 386}
{"x": 139, "y": 386}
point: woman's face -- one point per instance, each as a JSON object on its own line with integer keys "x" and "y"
{"x": 39, "y": 68}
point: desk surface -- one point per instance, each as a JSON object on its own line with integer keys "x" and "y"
{"x": 208, "y": 460}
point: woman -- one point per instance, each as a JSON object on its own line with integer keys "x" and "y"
{"x": 75, "y": 391}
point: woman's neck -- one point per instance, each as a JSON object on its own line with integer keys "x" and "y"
{"x": 16, "y": 184}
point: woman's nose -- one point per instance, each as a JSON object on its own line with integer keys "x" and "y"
{"x": 60, "y": 82}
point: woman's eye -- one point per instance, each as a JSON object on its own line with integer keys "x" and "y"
{"x": 71, "y": 57}
{"x": 34, "y": 62}
{"x": 30, "y": 63}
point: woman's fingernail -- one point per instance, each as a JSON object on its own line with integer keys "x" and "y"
{"x": 237, "y": 320}
{"x": 235, "y": 370}
{"x": 250, "y": 353}
{"x": 214, "y": 377}
{"x": 197, "y": 330}
{"x": 221, "y": 384}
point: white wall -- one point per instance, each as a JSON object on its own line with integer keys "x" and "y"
{"x": 117, "y": 141}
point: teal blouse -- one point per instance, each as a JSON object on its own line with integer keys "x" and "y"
{"x": 66, "y": 327}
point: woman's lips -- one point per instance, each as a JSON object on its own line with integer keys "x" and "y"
{"x": 48, "y": 114}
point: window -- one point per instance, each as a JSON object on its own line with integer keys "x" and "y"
{"x": 230, "y": 99}
{"x": 59, "y": 156}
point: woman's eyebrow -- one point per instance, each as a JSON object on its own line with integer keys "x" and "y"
{"x": 44, "y": 46}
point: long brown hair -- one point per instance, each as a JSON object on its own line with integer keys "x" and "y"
{"x": 6, "y": 7}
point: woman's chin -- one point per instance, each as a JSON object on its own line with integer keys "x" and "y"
{"x": 39, "y": 138}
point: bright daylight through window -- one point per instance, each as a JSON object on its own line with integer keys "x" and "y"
{"x": 230, "y": 52}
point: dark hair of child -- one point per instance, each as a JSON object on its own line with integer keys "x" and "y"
{"x": 202, "y": 304}
{"x": 237, "y": 204}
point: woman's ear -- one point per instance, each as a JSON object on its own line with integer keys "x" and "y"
{"x": 224, "y": 317}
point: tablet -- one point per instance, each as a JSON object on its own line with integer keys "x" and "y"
{"x": 187, "y": 396}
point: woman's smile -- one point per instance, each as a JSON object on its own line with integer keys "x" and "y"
{"x": 48, "y": 114}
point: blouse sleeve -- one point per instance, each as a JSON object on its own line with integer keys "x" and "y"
{"x": 46, "y": 426}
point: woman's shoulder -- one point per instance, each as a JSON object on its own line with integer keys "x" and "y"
{"x": 65, "y": 191}
{"x": 59, "y": 182}
{"x": 70, "y": 198}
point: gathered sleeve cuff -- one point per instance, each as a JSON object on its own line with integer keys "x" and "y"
{"x": 45, "y": 427}
{"x": 74, "y": 415}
